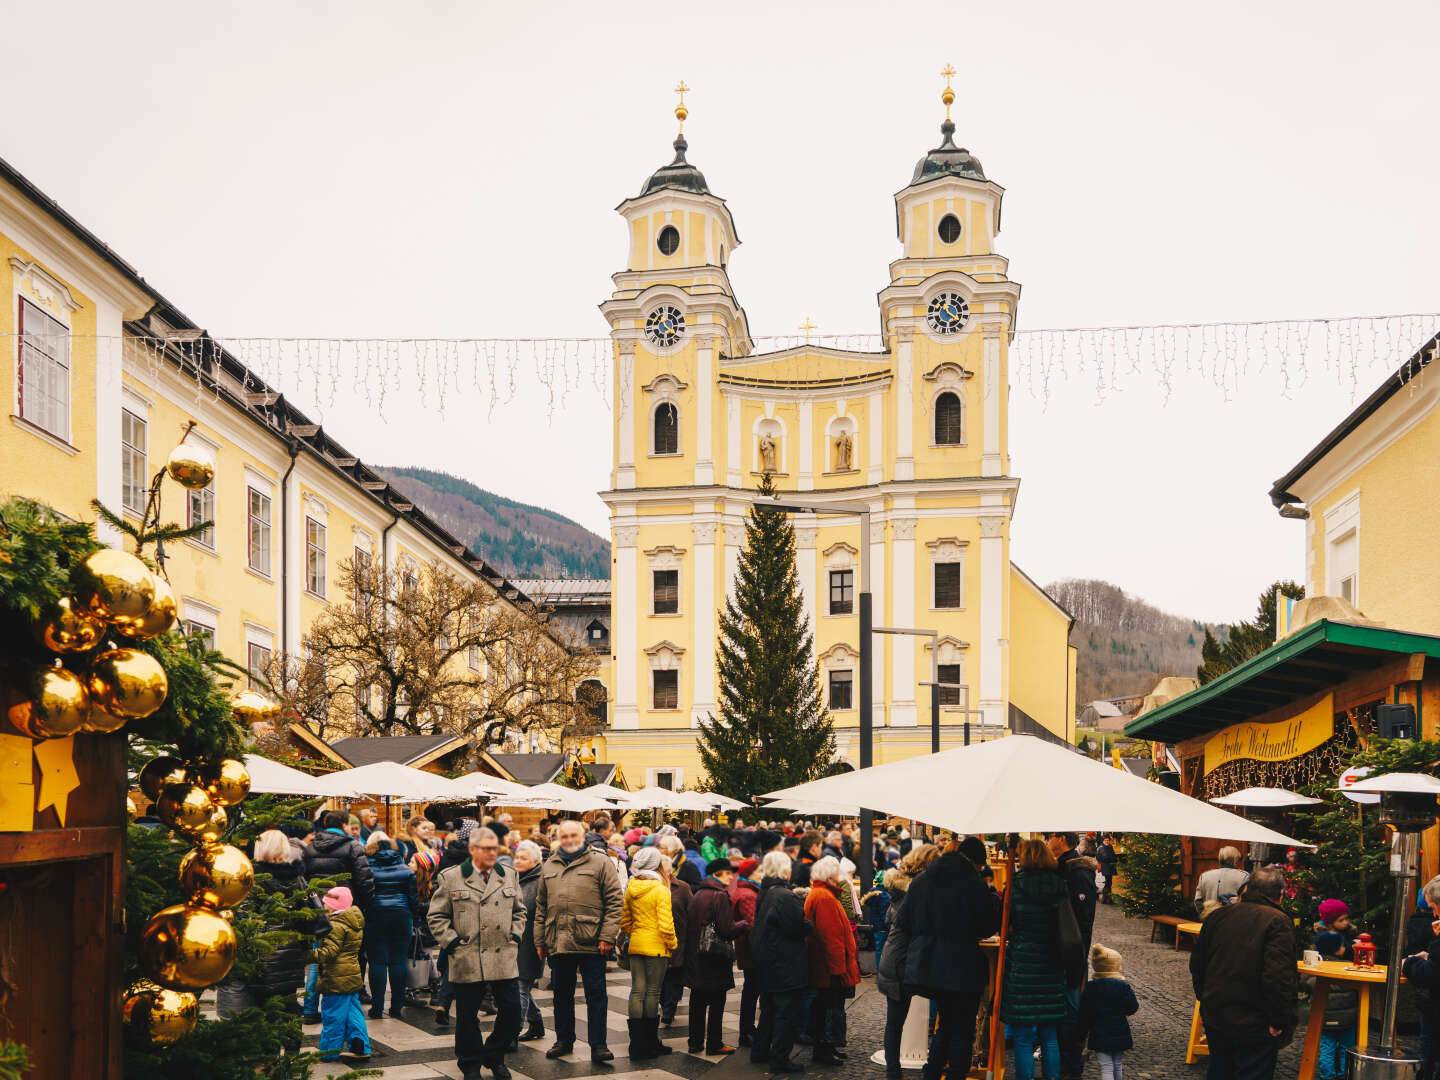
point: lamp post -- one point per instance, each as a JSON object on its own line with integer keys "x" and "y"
{"x": 865, "y": 867}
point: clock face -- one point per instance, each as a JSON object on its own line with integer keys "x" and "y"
{"x": 665, "y": 326}
{"x": 948, "y": 313}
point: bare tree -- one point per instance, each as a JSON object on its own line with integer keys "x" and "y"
{"x": 424, "y": 651}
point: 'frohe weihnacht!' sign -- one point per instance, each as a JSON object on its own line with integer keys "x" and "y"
{"x": 1273, "y": 742}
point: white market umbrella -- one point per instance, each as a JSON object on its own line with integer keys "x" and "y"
{"x": 607, "y": 791}
{"x": 478, "y": 784}
{"x": 1407, "y": 783}
{"x": 1024, "y": 784}
{"x": 812, "y": 808}
{"x": 388, "y": 780}
{"x": 723, "y": 802}
{"x": 271, "y": 778}
{"x": 559, "y": 797}
{"x": 1265, "y": 798}
{"x": 659, "y": 798}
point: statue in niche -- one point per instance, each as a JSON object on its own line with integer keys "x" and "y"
{"x": 844, "y": 452}
{"x": 767, "y": 453}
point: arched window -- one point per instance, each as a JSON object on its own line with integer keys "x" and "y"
{"x": 590, "y": 695}
{"x": 667, "y": 429}
{"x": 949, "y": 420}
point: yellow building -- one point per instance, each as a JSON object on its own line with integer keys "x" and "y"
{"x": 104, "y": 375}
{"x": 918, "y": 432}
{"x": 1367, "y": 495}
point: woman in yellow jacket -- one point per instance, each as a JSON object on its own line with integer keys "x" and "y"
{"x": 649, "y": 922}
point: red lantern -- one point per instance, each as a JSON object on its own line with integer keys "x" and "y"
{"x": 1364, "y": 951}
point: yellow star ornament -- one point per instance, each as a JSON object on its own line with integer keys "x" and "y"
{"x": 58, "y": 778}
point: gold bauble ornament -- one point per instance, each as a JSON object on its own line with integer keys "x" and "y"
{"x": 103, "y": 722}
{"x": 67, "y": 628}
{"x": 131, "y": 810}
{"x": 191, "y": 465}
{"x": 227, "y": 781}
{"x": 55, "y": 703}
{"x": 115, "y": 586}
{"x": 185, "y": 807}
{"x": 155, "y": 1016}
{"x": 216, "y": 875}
{"x": 127, "y": 683}
{"x": 253, "y": 707}
{"x": 187, "y": 947}
{"x": 158, "y": 619}
{"x": 213, "y": 829}
{"x": 158, "y": 772}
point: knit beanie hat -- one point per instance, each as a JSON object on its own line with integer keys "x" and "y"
{"x": 647, "y": 858}
{"x": 1332, "y": 909}
{"x": 467, "y": 826}
{"x": 748, "y": 866}
{"x": 427, "y": 857}
{"x": 1104, "y": 962}
{"x": 338, "y": 898}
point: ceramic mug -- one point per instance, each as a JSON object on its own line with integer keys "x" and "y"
{"x": 1311, "y": 958}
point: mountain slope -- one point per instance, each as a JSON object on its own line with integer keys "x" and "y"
{"x": 1124, "y": 644}
{"x": 516, "y": 539}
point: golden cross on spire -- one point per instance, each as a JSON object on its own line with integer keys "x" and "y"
{"x": 807, "y": 326}
{"x": 947, "y": 95}
{"x": 681, "y": 112}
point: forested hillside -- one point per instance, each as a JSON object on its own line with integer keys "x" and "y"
{"x": 516, "y": 539}
{"x": 1124, "y": 644}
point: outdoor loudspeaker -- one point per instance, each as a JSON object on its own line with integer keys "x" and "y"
{"x": 1395, "y": 721}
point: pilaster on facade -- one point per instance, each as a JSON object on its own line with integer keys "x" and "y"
{"x": 704, "y": 395}
{"x": 902, "y": 606}
{"x": 625, "y": 601}
{"x": 875, "y": 440}
{"x": 878, "y": 618}
{"x": 704, "y": 622}
{"x": 733, "y": 441}
{"x": 807, "y": 446}
{"x": 807, "y": 569}
{"x": 992, "y": 461}
{"x": 734, "y": 544}
{"x": 992, "y": 618}
{"x": 625, "y": 414}
{"x": 904, "y": 407}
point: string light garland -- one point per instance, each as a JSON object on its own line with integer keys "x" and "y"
{"x": 495, "y": 371}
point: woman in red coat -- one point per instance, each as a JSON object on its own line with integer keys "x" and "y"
{"x": 834, "y": 968}
{"x": 745, "y": 897}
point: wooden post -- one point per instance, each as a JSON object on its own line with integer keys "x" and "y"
{"x": 997, "y": 1031}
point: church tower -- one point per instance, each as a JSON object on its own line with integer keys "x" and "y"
{"x": 916, "y": 431}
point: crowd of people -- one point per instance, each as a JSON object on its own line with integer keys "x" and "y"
{"x": 776, "y": 910}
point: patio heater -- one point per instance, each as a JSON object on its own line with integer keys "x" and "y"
{"x": 1407, "y": 804}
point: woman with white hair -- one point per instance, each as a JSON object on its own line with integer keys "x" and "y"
{"x": 282, "y": 970}
{"x": 834, "y": 966}
{"x": 1221, "y": 886}
{"x": 528, "y": 858}
{"x": 647, "y": 918}
{"x": 781, "y": 964}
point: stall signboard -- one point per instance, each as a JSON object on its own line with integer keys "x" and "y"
{"x": 1273, "y": 742}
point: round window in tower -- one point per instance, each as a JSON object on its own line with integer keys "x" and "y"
{"x": 669, "y": 240}
{"x": 949, "y": 229}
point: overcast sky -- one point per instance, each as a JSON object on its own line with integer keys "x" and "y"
{"x": 451, "y": 169}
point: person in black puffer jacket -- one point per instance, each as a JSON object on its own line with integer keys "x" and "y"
{"x": 1034, "y": 1003}
{"x": 332, "y": 853}
{"x": 278, "y": 870}
{"x": 948, "y": 912}
{"x": 1420, "y": 938}
{"x": 389, "y": 921}
{"x": 781, "y": 964}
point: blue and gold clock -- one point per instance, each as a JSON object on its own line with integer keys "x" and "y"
{"x": 665, "y": 326}
{"x": 948, "y": 313}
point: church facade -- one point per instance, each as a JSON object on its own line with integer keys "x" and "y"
{"x": 918, "y": 432}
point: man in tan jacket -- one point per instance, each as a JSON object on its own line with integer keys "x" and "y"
{"x": 577, "y": 919}
{"x": 477, "y": 915}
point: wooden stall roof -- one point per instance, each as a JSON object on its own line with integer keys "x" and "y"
{"x": 1309, "y": 661}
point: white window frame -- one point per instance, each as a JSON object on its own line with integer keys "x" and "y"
{"x": 944, "y": 551}
{"x": 667, "y": 557}
{"x": 198, "y": 613}
{"x": 677, "y": 776}
{"x": 315, "y": 568}
{"x": 841, "y": 657}
{"x": 665, "y": 389}
{"x": 56, "y": 366}
{"x": 1342, "y": 526}
{"x": 830, "y": 674}
{"x": 134, "y": 481}
{"x": 200, "y": 503}
{"x": 266, "y": 525}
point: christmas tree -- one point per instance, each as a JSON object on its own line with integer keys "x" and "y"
{"x": 773, "y": 729}
{"x": 1150, "y": 877}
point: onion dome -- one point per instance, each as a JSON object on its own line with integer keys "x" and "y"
{"x": 947, "y": 159}
{"x": 679, "y": 174}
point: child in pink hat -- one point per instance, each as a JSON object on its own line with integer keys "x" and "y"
{"x": 342, "y": 1022}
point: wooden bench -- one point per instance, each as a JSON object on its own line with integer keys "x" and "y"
{"x": 1172, "y": 921}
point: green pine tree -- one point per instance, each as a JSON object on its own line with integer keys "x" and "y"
{"x": 773, "y": 730}
{"x": 1150, "y": 877}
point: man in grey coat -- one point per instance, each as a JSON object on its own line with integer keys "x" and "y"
{"x": 577, "y": 919}
{"x": 477, "y": 916}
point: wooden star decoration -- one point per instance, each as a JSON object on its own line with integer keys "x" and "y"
{"x": 58, "y": 778}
